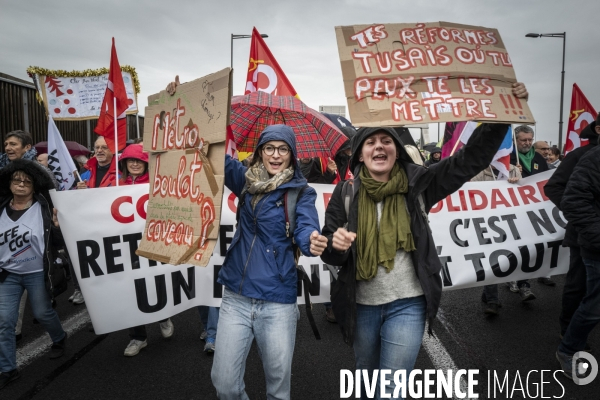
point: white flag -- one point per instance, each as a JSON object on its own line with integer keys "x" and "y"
{"x": 59, "y": 160}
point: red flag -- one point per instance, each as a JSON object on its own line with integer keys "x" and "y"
{"x": 230, "y": 147}
{"x": 264, "y": 73}
{"x": 582, "y": 114}
{"x": 114, "y": 89}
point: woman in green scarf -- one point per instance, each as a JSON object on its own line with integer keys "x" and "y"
{"x": 389, "y": 283}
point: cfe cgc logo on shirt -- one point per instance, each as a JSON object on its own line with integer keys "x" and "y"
{"x": 535, "y": 166}
{"x": 18, "y": 242}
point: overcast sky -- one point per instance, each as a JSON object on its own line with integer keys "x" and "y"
{"x": 192, "y": 38}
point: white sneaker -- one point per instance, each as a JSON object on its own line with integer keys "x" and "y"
{"x": 78, "y": 297}
{"x": 134, "y": 347}
{"x": 203, "y": 335}
{"x": 71, "y": 298}
{"x": 167, "y": 328}
{"x": 512, "y": 286}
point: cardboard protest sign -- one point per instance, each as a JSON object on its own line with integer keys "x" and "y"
{"x": 402, "y": 74}
{"x": 198, "y": 110}
{"x": 186, "y": 141}
{"x": 78, "y": 95}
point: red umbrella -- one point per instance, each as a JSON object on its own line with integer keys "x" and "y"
{"x": 316, "y": 136}
{"x": 74, "y": 148}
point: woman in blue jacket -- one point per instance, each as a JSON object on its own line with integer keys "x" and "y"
{"x": 259, "y": 271}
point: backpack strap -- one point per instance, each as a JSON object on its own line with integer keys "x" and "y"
{"x": 422, "y": 204}
{"x": 348, "y": 195}
{"x": 290, "y": 200}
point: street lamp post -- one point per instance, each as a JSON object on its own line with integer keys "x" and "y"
{"x": 562, "y": 79}
{"x": 241, "y": 37}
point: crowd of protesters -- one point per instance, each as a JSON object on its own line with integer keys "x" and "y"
{"x": 376, "y": 234}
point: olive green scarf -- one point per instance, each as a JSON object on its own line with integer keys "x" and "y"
{"x": 527, "y": 158}
{"x": 377, "y": 244}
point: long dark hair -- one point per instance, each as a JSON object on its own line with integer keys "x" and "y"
{"x": 125, "y": 172}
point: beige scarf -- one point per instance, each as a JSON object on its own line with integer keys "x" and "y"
{"x": 259, "y": 182}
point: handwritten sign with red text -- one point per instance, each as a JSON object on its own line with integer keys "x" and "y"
{"x": 186, "y": 141}
{"x": 402, "y": 74}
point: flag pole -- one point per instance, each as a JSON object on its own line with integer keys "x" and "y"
{"x": 458, "y": 140}
{"x": 137, "y": 123}
{"x": 515, "y": 144}
{"x": 116, "y": 141}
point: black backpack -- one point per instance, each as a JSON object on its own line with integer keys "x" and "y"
{"x": 290, "y": 199}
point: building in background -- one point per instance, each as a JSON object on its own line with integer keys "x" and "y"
{"x": 337, "y": 110}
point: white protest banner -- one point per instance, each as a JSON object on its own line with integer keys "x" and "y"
{"x": 103, "y": 227}
{"x": 60, "y": 161}
{"x": 493, "y": 232}
{"x": 78, "y": 95}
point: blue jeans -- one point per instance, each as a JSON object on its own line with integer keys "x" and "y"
{"x": 389, "y": 336}
{"x": 273, "y": 325}
{"x": 574, "y": 289}
{"x": 587, "y": 315}
{"x": 490, "y": 293}
{"x": 209, "y": 316}
{"x": 10, "y": 296}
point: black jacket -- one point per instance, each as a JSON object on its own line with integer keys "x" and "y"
{"x": 538, "y": 161}
{"x": 313, "y": 174}
{"x": 556, "y": 185}
{"x": 433, "y": 184}
{"x": 581, "y": 203}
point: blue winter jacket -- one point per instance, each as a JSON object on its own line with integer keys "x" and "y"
{"x": 259, "y": 263}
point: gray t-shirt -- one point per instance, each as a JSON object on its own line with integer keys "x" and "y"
{"x": 400, "y": 283}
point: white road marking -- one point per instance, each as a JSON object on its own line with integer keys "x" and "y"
{"x": 28, "y": 353}
{"x": 440, "y": 357}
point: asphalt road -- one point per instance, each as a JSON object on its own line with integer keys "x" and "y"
{"x": 517, "y": 344}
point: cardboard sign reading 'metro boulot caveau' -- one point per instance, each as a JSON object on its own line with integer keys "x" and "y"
{"x": 401, "y": 74}
{"x": 186, "y": 141}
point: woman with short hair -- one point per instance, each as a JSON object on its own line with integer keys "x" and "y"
{"x": 29, "y": 234}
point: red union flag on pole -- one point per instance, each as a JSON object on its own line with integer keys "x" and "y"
{"x": 115, "y": 103}
{"x": 582, "y": 114}
{"x": 264, "y": 73}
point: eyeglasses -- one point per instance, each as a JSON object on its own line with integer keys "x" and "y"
{"x": 97, "y": 148}
{"x": 270, "y": 150}
{"x": 134, "y": 161}
{"x": 17, "y": 182}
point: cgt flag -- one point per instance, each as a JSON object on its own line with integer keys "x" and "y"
{"x": 114, "y": 90}
{"x": 59, "y": 160}
{"x": 264, "y": 73}
{"x": 582, "y": 114}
